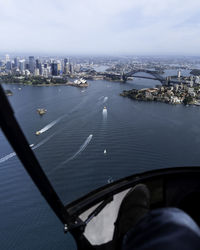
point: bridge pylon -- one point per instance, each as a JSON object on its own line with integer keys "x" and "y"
{"x": 123, "y": 77}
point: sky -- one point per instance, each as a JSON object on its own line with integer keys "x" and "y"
{"x": 100, "y": 27}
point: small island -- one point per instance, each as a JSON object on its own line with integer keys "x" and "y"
{"x": 41, "y": 111}
{"x": 177, "y": 94}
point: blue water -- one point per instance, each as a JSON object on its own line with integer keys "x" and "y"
{"x": 137, "y": 136}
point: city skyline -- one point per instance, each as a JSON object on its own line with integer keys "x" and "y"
{"x": 100, "y": 27}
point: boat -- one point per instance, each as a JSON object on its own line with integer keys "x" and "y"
{"x": 37, "y": 132}
{"x": 41, "y": 111}
{"x": 104, "y": 151}
{"x": 8, "y": 92}
{"x": 31, "y": 145}
{"x": 104, "y": 108}
{"x": 91, "y": 218}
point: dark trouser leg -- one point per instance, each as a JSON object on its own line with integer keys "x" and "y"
{"x": 164, "y": 229}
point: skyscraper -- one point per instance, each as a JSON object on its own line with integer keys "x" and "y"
{"x": 31, "y": 64}
{"x": 37, "y": 61}
{"x": 54, "y": 69}
{"x": 8, "y": 65}
{"x": 65, "y": 66}
{"x": 7, "y": 58}
{"x": 59, "y": 68}
{"x": 22, "y": 65}
{"x": 65, "y": 62}
{"x": 16, "y": 62}
{"x": 71, "y": 68}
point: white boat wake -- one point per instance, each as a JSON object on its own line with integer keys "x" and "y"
{"x": 105, "y": 114}
{"x": 105, "y": 99}
{"x": 50, "y": 125}
{"x": 7, "y": 157}
{"x": 11, "y": 155}
{"x": 44, "y": 141}
{"x": 82, "y": 147}
{"x": 100, "y": 98}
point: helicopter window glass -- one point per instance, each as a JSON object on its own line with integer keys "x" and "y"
{"x": 100, "y": 229}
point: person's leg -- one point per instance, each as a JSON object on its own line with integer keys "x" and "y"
{"x": 133, "y": 207}
{"x": 163, "y": 229}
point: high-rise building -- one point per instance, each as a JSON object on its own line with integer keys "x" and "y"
{"x": 59, "y": 68}
{"x": 54, "y": 69}
{"x": 65, "y": 66}
{"x": 65, "y": 62}
{"x": 16, "y": 62}
{"x": 71, "y": 68}
{"x": 31, "y": 64}
{"x": 8, "y": 65}
{"x": 22, "y": 65}
{"x": 45, "y": 72}
{"x": 37, "y": 63}
{"x": 37, "y": 72}
{"x": 41, "y": 67}
{"x": 7, "y": 58}
{"x": 77, "y": 67}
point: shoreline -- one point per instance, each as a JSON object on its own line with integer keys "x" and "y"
{"x": 164, "y": 94}
{"x": 85, "y": 85}
{"x": 28, "y": 84}
{"x": 37, "y": 85}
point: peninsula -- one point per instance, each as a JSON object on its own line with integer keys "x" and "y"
{"x": 177, "y": 94}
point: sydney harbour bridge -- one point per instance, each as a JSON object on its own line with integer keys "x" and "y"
{"x": 153, "y": 75}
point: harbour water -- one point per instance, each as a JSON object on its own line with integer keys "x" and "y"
{"x": 137, "y": 136}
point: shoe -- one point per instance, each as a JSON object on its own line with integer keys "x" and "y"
{"x": 134, "y": 206}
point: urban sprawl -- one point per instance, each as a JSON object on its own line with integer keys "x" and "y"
{"x": 175, "y": 89}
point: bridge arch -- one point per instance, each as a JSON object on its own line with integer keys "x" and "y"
{"x": 155, "y": 74}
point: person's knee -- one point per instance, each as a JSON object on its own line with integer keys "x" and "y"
{"x": 166, "y": 228}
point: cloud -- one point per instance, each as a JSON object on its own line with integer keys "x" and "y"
{"x": 106, "y": 26}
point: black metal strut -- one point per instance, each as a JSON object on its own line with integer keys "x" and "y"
{"x": 20, "y": 145}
